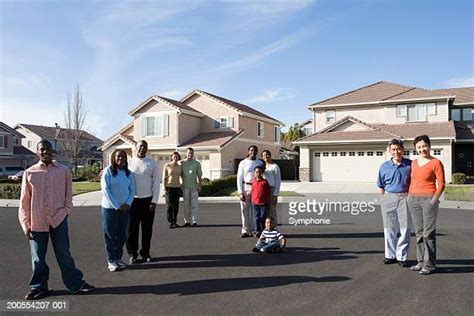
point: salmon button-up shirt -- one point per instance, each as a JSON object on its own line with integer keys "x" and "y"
{"x": 46, "y": 197}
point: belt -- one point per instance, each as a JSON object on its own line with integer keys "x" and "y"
{"x": 247, "y": 183}
{"x": 402, "y": 193}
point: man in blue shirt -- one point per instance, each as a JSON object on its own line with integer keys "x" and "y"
{"x": 394, "y": 181}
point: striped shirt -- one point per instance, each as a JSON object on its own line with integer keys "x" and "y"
{"x": 271, "y": 235}
{"x": 46, "y": 197}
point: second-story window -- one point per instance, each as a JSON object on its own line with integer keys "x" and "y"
{"x": 2, "y": 141}
{"x": 224, "y": 122}
{"x": 467, "y": 114}
{"x": 416, "y": 112}
{"x": 260, "y": 129}
{"x": 156, "y": 125}
{"x": 277, "y": 134}
{"x": 464, "y": 114}
{"x": 330, "y": 116}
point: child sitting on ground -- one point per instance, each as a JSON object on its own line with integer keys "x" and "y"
{"x": 271, "y": 240}
{"x": 261, "y": 195}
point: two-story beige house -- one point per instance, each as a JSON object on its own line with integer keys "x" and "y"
{"x": 219, "y": 130}
{"x": 12, "y": 153}
{"x": 351, "y": 130}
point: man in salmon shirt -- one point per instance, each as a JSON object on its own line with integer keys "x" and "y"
{"x": 393, "y": 182}
{"x": 426, "y": 186}
{"x": 45, "y": 204}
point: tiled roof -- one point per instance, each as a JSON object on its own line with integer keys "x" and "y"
{"x": 21, "y": 150}
{"x": 48, "y": 132}
{"x": 383, "y": 91}
{"x": 383, "y": 131}
{"x": 179, "y": 104}
{"x": 237, "y": 105}
{"x": 463, "y": 95}
{"x": 211, "y": 139}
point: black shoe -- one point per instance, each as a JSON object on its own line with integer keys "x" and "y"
{"x": 194, "y": 224}
{"x": 86, "y": 288}
{"x": 172, "y": 226}
{"x": 36, "y": 294}
{"x": 403, "y": 264}
{"x": 187, "y": 225}
{"x": 146, "y": 258}
{"x": 245, "y": 235}
{"x": 255, "y": 249}
{"x": 389, "y": 261}
{"x": 176, "y": 226}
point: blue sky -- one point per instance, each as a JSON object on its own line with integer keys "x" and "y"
{"x": 277, "y": 56}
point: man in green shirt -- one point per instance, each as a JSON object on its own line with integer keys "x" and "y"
{"x": 192, "y": 179}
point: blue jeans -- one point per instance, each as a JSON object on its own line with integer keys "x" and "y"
{"x": 267, "y": 247}
{"x": 72, "y": 277}
{"x": 115, "y": 225}
{"x": 259, "y": 213}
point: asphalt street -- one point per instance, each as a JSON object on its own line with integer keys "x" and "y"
{"x": 329, "y": 269}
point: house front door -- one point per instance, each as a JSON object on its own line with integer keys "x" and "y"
{"x": 464, "y": 159}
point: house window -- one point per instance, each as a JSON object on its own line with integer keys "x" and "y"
{"x": 370, "y": 153}
{"x": 416, "y": 112}
{"x": 342, "y": 154}
{"x": 456, "y": 114}
{"x": 467, "y": 114}
{"x": 2, "y": 141}
{"x": 334, "y": 154}
{"x": 330, "y": 116}
{"x": 360, "y": 153}
{"x": 317, "y": 154}
{"x": 277, "y": 134}
{"x": 352, "y": 153}
{"x": 380, "y": 153}
{"x": 259, "y": 129}
{"x": 223, "y": 122}
{"x": 415, "y": 153}
{"x": 155, "y": 125}
{"x": 406, "y": 153}
{"x": 29, "y": 144}
{"x": 307, "y": 131}
{"x": 437, "y": 152}
{"x": 325, "y": 154}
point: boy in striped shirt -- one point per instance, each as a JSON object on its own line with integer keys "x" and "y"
{"x": 271, "y": 240}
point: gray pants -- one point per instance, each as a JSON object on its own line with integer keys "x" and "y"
{"x": 397, "y": 225}
{"x": 273, "y": 209}
{"x": 424, "y": 216}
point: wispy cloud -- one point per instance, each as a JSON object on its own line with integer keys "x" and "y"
{"x": 459, "y": 82}
{"x": 279, "y": 94}
{"x": 172, "y": 94}
{"x": 271, "y": 8}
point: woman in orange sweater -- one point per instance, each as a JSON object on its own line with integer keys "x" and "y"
{"x": 426, "y": 186}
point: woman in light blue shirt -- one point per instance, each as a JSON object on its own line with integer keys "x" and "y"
{"x": 118, "y": 189}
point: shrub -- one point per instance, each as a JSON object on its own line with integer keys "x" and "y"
{"x": 88, "y": 173}
{"x": 459, "y": 178}
{"x": 219, "y": 187}
{"x": 10, "y": 191}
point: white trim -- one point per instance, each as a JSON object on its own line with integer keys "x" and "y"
{"x": 463, "y": 103}
{"x": 257, "y": 117}
{"x": 256, "y": 141}
{"x": 158, "y": 113}
{"x": 192, "y": 113}
{"x": 363, "y": 140}
{"x": 157, "y": 147}
{"x": 383, "y": 102}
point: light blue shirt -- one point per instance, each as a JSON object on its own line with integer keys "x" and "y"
{"x": 117, "y": 190}
{"x": 395, "y": 178}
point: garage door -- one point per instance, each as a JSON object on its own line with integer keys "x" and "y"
{"x": 358, "y": 166}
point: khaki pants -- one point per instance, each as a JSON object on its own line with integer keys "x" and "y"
{"x": 190, "y": 198}
{"x": 424, "y": 215}
{"x": 246, "y": 212}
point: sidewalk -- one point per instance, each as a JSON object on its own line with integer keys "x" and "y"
{"x": 310, "y": 190}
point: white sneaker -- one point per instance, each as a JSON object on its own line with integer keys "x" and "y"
{"x": 113, "y": 266}
{"x": 120, "y": 264}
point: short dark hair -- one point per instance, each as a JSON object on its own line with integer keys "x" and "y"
{"x": 190, "y": 148}
{"x": 397, "y": 142}
{"x": 177, "y": 154}
{"x": 266, "y": 151}
{"x": 420, "y": 138}
{"x": 254, "y": 147}
{"x": 44, "y": 142}
{"x": 259, "y": 168}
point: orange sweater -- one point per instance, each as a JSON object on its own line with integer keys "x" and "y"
{"x": 427, "y": 180}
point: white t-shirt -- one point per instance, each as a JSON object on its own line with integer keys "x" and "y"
{"x": 147, "y": 177}
{"x": 245, "y": 172}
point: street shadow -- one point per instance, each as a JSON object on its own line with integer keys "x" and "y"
{"x": 212, "y": 225}
{"x": 210, "y": 285}
{"x": 458, "y": 266}
{"x": 293, "y": 255}
{"x": 345, "y": 235}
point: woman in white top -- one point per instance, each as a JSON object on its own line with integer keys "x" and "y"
{"x": 273, "y": 176}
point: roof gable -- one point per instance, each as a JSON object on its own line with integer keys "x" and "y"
{"x": 49, "y": 132}
{"x": 172, "y": 104}
{"x": 233, "y": 105}
{"x": 10, "y": 130}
